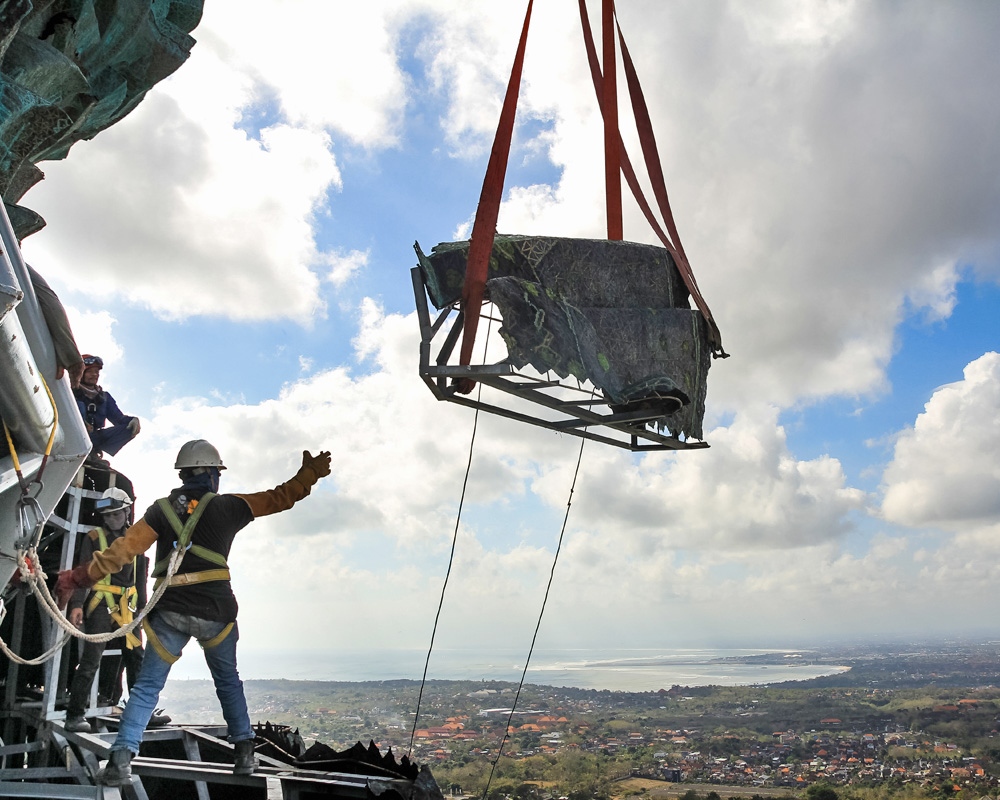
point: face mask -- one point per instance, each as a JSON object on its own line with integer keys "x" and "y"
{"x": 115, "y": 520}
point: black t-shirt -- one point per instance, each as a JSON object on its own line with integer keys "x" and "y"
{"x": 225, "y": 516}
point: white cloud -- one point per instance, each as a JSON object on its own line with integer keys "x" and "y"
{"x": 822, "y": 170}
{"x": 944, "y": 470}
{"x": 94, "y": 335}
{"x": 935, "y": 292}
{"x": 199, "y": 219}
{"x": 188, "y": 214}
{"x": 329, "y": 66}
{"x": 747, "y": 492}
{"x": 343, "y": 266}
{"x": 658, "y": 527}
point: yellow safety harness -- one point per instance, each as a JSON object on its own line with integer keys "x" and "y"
{"x": 184, "y": 532}
{"x": 121, "y": 600}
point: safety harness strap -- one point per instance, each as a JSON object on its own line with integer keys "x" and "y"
{"x": 209, "y": 555}
{"x": 185, "y": 531}
{"x": 188, "y": 578}
{"x": 154, "y": 640}
{"x": 217, "y": 640}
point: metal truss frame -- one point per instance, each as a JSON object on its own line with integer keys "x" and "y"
{"x": 573, "y": 409}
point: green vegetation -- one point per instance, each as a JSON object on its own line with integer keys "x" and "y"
{"x": 877, "y": 737}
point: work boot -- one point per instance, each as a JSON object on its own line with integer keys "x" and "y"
{"x": 158, "y": 719}
{"x": 118, "y": 770}
{"x": 245, "y": 764}
{"x": 77, "y": 724}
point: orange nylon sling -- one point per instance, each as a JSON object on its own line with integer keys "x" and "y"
{"x": 485, "y": 226}
{"x": 654, "y": 169}
{"x": 616, "y": 164}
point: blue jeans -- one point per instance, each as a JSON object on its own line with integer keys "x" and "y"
{"x": 174, "y": 631}
{"x": 111, "y": 439}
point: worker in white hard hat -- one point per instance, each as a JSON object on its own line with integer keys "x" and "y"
{"x": 108, "y": 605}
{"x": 199, "y": 602}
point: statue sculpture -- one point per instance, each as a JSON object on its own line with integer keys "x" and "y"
{"x": 71, "y": 68}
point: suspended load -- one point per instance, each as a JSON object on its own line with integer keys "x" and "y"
{"x": 600, "y": 333}
{"x": 613, "y": 313}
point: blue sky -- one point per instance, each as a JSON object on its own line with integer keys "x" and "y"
{"x": 238, "y": 249}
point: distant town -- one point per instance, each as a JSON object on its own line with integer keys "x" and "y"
{"x": 918, "y": 719}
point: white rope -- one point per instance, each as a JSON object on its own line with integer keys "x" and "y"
{"x": 36, "y": 579}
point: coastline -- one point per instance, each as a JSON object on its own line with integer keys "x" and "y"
{"x": 637, "y": 670}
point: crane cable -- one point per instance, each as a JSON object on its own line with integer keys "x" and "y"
{"x": 454, "y": 540}
{"x": 541, "y": 613}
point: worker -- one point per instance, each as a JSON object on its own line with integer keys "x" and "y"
{"x": 97, "y": 406}
{"x": 199, "y": 602}
{"x": 107, "y": 606}
{"x": 68, "y": 358}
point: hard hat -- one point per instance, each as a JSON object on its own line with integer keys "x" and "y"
{"x": 198, "y": 453}
{"x": 113, "y": 499}
{"x": 89, "y": 361}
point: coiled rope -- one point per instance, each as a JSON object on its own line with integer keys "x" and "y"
{"x": 30, "y": 569}
{"x": 33, "y": 575}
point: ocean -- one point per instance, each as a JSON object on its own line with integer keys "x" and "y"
{"x": 636, "y": 670}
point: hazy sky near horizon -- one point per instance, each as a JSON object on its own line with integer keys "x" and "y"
{"x": 238, "y": 250}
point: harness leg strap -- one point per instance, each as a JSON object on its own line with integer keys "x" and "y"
{"x": 208, "y": 644}
{"x": 154, "y": 640}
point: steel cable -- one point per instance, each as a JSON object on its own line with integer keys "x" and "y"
{"x": 541, "y": 613}
{"x": 454, "y": 540}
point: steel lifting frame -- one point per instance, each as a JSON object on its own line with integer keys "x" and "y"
{"x": 573, "y": 406}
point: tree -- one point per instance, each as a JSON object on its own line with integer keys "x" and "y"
{"x": 821, "y": 791}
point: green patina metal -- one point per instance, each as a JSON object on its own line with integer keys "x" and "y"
{"x": 614, "y": 313}
{"x": 71, "y": 68}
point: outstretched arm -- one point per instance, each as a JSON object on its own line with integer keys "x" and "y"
{"x": 137, "y": 540}
{"x": 287, "y": 494}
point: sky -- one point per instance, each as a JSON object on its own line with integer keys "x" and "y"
{"x": 238, "y": 251}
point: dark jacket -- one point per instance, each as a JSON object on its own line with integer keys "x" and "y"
{"x": 96, "y": 410}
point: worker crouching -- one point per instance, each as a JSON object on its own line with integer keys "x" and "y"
{"x": 199, "y": 601}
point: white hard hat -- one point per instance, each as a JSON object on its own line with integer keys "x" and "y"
{"x": 198, "y": 453}
{"x": 113, "y": 499}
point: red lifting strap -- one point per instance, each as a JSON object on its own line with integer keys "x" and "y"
{"x": 652, "y": 160}
{"x": 485, "y": 226}
{"x": 612, "y": 138}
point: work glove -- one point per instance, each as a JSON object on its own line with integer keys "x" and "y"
{"x": 133, "y": 426}
{"x": 69, "y": 581}
{"x": 75, "y": 374}
{"x": 313, "y": 468}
